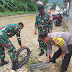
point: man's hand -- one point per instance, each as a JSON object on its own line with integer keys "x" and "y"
{"x": 35, "y": 32}
{"x": 62, "y": 55}
{"x": 50, "y": 30}
{"x": 47, "y": 60}
{"x": 23, "y": 46}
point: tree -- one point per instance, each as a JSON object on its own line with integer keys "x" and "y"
{"x": 54, "y": 5}
{"x": 45, "y": 2}
{"x": 18, "y": 5}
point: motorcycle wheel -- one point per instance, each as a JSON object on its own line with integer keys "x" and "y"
{"x": 58, "y": 24}
{"x": 23, "y": 55}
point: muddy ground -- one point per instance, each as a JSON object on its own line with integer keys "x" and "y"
{"x": 30, "y": 40}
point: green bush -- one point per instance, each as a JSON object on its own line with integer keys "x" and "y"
{"x": 17, "y": 5}
{"x": 21, "y": 6}
{"x": 13, "y": 13}
{"x": 1, "y": 14}
{"x": 32, "y": 6}
{"x": 8, "y": 13}
{"x": 20, "y": 12}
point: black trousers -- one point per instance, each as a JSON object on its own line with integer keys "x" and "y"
{"x": 66, "y": 60}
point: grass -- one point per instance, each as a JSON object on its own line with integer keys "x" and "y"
{"x": 10, "y": 13}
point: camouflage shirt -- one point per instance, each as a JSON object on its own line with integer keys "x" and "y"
{"x": 10, "y": 30}
{"x": 42, "y": 23}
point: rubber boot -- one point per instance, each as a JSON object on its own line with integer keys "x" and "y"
{"x": 41, "y": 53}
{"x": 62, "y": 71}
{"x": 16, "y": 66}
{"x": 3, "y": 62}
{"x": 52, "y": 60}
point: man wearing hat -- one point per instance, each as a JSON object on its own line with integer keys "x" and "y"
{"x": 43, "y": 24}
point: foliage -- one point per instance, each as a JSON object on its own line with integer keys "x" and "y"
{"x": 54, "y": 5}
{"x": 9, "y": 13}
{"x": 6, "y": 4}
{"x": 45, "y": 2}
{"x": 32, "y": 6}
{"x": 17, "y": 5}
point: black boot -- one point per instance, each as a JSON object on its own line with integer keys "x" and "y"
{"x": 41, "y": 53}
{"x": 62, "y": 71}
{"x": 46, "y": 54}
{"x": 52, "y": 60}
{"x": 3, "y": 62}
{"x": 16, "y": 66}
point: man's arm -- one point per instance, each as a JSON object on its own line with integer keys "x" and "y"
{"x": 35, "y": 31}
{"x": 36, "y": 26}
{"x": 49, "y": 51}
{"x": 64, "y": 48}
{"x": 18, "y": 36}
{"x": 62, "y": 44}
{"x": 50, "y": 23}
{"x": 48, "y": 57}
{"x": 50, "y": 17}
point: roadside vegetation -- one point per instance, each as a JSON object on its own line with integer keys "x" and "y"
{"x": 9, "y": 13}
{"x": 18, "y": 7}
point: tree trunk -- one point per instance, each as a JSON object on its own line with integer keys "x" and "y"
{"x": 3, "y": 6}
{"x": 15, "y": 6}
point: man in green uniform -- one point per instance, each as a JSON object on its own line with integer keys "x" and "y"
{"x": 6, "y": 32}
{"x": 43, "y": 24}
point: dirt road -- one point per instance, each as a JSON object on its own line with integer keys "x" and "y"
{"x": 29, "y": 39}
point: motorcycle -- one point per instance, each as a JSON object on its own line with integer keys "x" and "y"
{"x": 57, "y": 19}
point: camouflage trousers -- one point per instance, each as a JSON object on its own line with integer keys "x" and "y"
{"x": 42, "y": 45}
{"x": 5, "y": 43}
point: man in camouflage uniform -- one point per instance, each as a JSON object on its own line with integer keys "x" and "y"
{"x": 6, "y": 32}
{"x": 43, "y": 24}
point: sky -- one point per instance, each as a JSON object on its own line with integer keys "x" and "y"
{"x": 60, "y": 2}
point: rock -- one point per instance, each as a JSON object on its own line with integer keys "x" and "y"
{"x": 12, "y": 71}
{"x": 23, "y": 69}
{"x": 37, "y": 71}
{"x": 42, "y": 58}
{"x": 31, "y": 50}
